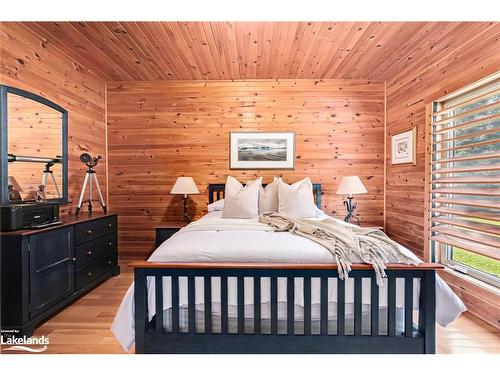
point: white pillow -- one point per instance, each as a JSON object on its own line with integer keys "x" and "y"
{"x": 241, "y": 202}
{"x": 268, "y": 197}
{"x": 297, "y": 200}
{"x": 216, "y": 206}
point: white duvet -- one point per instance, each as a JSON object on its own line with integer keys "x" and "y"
{"x": 212, "y": 239}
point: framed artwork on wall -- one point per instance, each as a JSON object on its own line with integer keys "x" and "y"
{"x": 404, "y": 147}
{"x": 261, "y": 150}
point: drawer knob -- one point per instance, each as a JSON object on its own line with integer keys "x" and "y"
{"x": 73, "y": 259}
{"x": 109, "y": 262}
{"x": 110, "y": 225}
{"x": 89, "y": 253}
{"x": 89, "y": 274}
{"x": 89, "y": 232}
{"x": 110, "y": 244}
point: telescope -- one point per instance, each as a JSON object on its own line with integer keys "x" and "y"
{"x": 33, "y": 159}
{"x": 90, "y": 176}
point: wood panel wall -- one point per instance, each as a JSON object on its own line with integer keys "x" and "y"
{"x": 448, "y": 63}
{"x": 160, "y": 130}
{"x": 33, "y": 63}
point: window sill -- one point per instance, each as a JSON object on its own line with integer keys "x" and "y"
{"x": 472, "y": 280}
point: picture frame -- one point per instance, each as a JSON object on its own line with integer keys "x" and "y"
{"x": 404, "y": 147}
{"x": 261, "y": 150}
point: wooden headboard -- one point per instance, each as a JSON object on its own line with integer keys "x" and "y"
{"x": 216, "y": 192}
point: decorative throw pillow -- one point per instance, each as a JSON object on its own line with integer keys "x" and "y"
{"x": 241, "y": 202}
{"x": 216, "y": 206}
{"x": 297, "y": 199}
{"x": 268, "y": 197}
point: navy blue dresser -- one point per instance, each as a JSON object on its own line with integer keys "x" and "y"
{"x": 43, "y": 271}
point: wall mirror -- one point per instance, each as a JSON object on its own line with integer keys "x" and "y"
{"x": 34, "y": 142}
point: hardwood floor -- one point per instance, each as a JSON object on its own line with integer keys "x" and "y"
{"x": 84, "y": 327}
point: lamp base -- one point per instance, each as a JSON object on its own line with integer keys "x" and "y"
{"x": 187, "y": 219}
{"x": 351, "y": 207}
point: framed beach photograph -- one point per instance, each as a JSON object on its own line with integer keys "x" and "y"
{"x": 404, "y": 147}
{"x": 261, "y": 150}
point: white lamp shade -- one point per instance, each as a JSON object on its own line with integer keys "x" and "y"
{"x": 351, "y": 185}
{"x": 184, "y": 185}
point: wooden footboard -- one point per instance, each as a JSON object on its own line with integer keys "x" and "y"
{"x": 418, "y": 335}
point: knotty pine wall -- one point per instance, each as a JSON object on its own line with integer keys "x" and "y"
{"x": 32, "y": 63}
{"x": 445, "y": 66}
{"x": 160, "y": 130}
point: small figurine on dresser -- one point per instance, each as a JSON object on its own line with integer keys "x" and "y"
{"x": 41, "y": 194}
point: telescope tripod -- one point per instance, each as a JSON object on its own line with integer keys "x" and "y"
{"x": 46, "y": 173}
{"x": 89, "y": 176}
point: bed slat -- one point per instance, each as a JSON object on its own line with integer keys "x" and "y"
{"x": 307, "y": 306}
{"x": 408, "y": 306}
{"x": 159, "y": 303}
{"x": 324, "y": 306}
{"x": 340, "y": 307}
{"x": 241, "y": 305}
{"x": 274, "y": 305}
{"x": 357, "y": 306}
{"x": 223, "y": 300}
{"x": 391, "y": 306}
{"x": 374, "y": 304}
{"x": 256, "y": 305}
{"x": 191, "y": 305}
{"x": 208, "y": 304}
{"x": 290, "y": 300}
{"x": 175, "y": 305}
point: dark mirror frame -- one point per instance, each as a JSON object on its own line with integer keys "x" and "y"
{"x": 4, "y": 143}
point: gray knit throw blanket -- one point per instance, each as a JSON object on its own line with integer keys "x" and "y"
{"x": 344, "y": 242}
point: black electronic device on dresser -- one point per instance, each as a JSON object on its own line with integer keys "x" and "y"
{"x": 45, "y": 270}
{"x": 28, "y": 215}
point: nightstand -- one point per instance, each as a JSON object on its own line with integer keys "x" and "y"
{"x": 166, "y": 231}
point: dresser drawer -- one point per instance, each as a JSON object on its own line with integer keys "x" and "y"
{"x": 92, "y": 250}
{"x": 92, "y": 271}
{"x": 92, "y": 229}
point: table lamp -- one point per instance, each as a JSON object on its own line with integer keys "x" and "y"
{"x": 185, "y": 186}
{"x": 350, "y": 185}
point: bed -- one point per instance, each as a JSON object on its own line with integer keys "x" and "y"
{"x": 231, "y": 286}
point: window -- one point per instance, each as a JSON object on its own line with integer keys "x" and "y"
{"x": 465, "y": 180}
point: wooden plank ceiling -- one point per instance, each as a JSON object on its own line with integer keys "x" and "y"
{"x": 123, "y": 51}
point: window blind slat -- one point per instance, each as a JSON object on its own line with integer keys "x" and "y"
{"x": 466, "y": 213}
{"x": 468, "y": 124}
{"x": 486, "y": 203}
{"x": 488, "y": 251}
{"x": 468, "y": 180}
{"x": 482, "y": 227}
{"x": 472, "y": 168}
{"x": 495, "y": 155}
{"x": 468, "y": 235}
{"x": 470, "y": 145}
{"x": 453, "y": 118}
{"x": 490, "y": 192}
{"x": 470, "y": 135}
{"x": 476, "y": 99}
